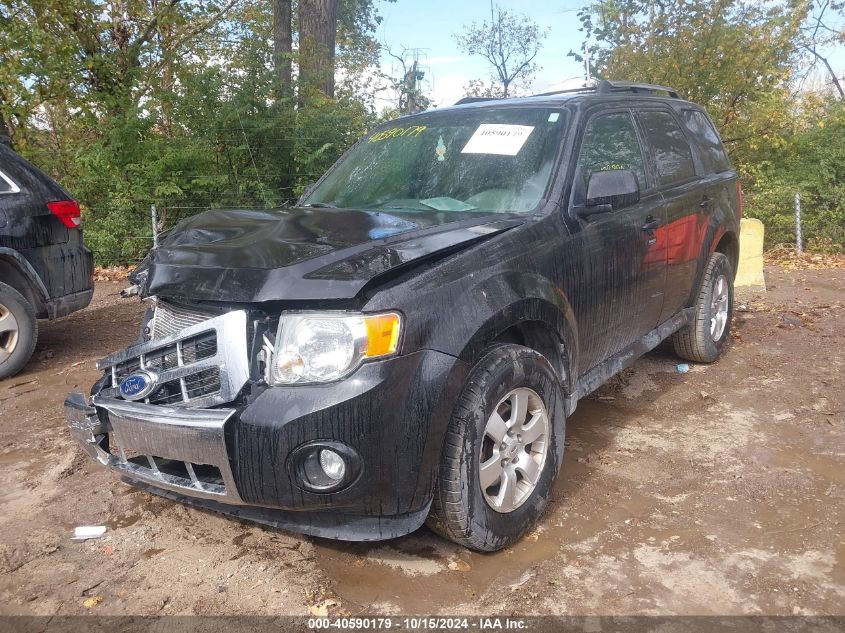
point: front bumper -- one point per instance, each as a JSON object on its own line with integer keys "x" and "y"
{"x": 393, "y": 414}
{"x": 194, "y": 437}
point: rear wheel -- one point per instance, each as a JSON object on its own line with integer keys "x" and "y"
{"x": 502, "y": 451}
{"x": 706, "y": 338}
{"x": 18, "y": 331}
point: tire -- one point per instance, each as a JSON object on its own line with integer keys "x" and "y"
{"x": 461, "y": 510}
{"x": 18, "y": 331}
{"x": 697, "y": 341}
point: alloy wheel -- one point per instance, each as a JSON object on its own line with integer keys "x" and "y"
{"x": 9, "y": 333}
{"x": 719, "y": 308}
{"x": 513, "y": 450}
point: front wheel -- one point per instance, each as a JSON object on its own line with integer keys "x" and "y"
{"x": 705, "y": 339}
{"x": 502, "y": 451}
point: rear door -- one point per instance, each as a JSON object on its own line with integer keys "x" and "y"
{"x": 620, "y": 290}
{"x": 684, "y": 202}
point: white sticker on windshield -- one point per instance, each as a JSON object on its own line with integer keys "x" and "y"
{"x": 497, "y": 138}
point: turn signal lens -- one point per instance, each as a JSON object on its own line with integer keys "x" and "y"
{"x": 382, "y": 334}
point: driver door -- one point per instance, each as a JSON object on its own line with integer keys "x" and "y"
{"x": 623, "y": 278}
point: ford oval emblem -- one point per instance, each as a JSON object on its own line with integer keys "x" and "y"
{"x": 138, "y": 385}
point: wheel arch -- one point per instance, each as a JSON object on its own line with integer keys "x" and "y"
{"x": 537, "y": 324}
{"x": 18, "y": 273}
{"x": 728, "y": 245}
{"x": 718, "y": 239}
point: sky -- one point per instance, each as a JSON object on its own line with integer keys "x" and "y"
{"x": 430, "y": 25}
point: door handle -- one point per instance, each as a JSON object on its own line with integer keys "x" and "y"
{"x": 651, "y": 224}
{"x": 705, "y": 203}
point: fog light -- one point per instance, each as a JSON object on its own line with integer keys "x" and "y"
{"x": 324, "y": 466}
{"x": 332, "y": 464}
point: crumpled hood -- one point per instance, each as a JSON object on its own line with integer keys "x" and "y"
{"x": 302, "y": 253}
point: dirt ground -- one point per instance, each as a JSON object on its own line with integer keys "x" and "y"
{"x": 720, "y": 490}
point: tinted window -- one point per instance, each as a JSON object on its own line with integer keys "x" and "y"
{"x": 672, "y": 155}
{"x": 712, "y": 151}
{"x": 610, "y": 142}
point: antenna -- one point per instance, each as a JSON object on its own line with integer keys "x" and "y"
{"x": 589, "y": 75}
{"x": 415, "y": 79}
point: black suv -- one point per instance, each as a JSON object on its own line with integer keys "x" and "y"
{"x": 406, "y": 344}
{"x": 45, "y": 270}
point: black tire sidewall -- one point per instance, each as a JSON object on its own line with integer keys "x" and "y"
{"x": 512, "y": 366}
{"x": 719, "y": 265}
{"x": 27, "y": 330}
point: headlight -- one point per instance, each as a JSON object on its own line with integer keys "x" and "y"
{"x": 325, "y": 347}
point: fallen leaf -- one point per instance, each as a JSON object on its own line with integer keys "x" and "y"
{"x": 321, "y": 609}
{"x": 459, "y": 565}
{"x": 92, "y": 602}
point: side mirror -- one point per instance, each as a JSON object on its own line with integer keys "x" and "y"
{"x": 611, "y": 190}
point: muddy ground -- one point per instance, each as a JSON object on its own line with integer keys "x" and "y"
{"x": 721, "y": 490}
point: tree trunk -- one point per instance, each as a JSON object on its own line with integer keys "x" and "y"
{"x": 317, "y": 40}
{"x": 5, "y": 128}
{"x": 282, "y": 46}
{"x": 5, "y": 132}
{"x": 168, "y": 81}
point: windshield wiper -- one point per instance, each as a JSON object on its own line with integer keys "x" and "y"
{"x": 320, "y": 205}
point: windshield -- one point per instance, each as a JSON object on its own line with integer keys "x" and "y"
{"x": 487, "y": 160}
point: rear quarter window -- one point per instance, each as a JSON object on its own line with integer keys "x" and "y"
{"x": 669, "y": 147}
{"x": 712, "y": 151}
{"x": 7, "y": 185}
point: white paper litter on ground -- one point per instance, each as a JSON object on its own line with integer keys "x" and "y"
{"x": 84, "y": 532}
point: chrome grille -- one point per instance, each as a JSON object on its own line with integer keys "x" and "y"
{"x": 178, "y": 449}
{"x": 205, "y": 365}
{"x": 170, "y": 319}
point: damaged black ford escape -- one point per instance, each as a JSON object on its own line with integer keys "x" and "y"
{"x": 406, "y": 344}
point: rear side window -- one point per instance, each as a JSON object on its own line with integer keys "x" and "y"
{"x": 7, "y": 185}
{"x": 712, "y": 150}
{"x": 610, "y": 142}
{"x": 672, "y": 154}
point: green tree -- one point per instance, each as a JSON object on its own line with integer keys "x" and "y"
{"x": 176, "y": 103}
{"x": 735, "y": 57}
{"x": 509, "y": 43}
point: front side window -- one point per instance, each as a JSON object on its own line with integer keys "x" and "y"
{"x": 669, "y": 147}
{"x": 610, "y": 142}
{"x": 712, "y": 150}
{"x": 490, "y": 160}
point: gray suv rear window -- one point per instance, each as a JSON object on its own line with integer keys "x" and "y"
{"x": 672, "y": 154}
{"x": 712, "y": 150}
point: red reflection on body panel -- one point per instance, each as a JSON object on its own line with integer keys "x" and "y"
{"x": 678, "y": 242}
{"x": 684, "y": 238}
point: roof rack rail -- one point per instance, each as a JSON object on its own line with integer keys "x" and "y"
{"x": 603, "y": 87}
{"x": 567, "y": 91}
{"x": 475, "y": 100}
{"x": 607, "y": 86}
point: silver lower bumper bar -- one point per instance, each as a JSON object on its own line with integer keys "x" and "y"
{"x": 178, "y": 449}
